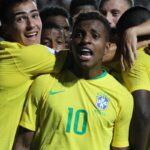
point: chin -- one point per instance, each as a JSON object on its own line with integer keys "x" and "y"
{"x": 85, "y": 66}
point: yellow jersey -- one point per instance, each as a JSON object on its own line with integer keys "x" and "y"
{"x": 69, "y": 113}
{"x": 138, "y": 77}
{"x": 18, "y": 66}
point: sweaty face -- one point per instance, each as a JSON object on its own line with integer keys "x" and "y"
{"x": 88, "y": 44}
{"x": 53, "y": 38}
{"x": 113, "y": 9}
{"x": 25, "y": 25}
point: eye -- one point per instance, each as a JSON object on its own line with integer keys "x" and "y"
{"x": 59, "y": 42}
{"x": 96, "y": 35}
{"x": 46, "y": 42}
{"x": 35, "y": 15}
{"x": 115, "y": 13}
{"x": 20, "y": 18}
{"x": 78, "y": 34}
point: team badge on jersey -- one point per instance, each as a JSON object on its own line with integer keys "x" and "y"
{"x": 101, "y": 102}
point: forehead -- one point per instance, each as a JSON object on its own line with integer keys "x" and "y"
{"x": 25, "y": 7}
{"x": 52, "y": 31}
{"x": 115, "y": 4}
{"x": 61, "y": 20}
{"x": 86, "y": 25}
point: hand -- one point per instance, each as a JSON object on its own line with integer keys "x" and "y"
{"x": 128, "y": 48}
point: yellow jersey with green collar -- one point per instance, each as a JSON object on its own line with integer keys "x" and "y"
{"x": 18, "y": 66}
{"x": 138, "y": 77}
{"x": 69, "y": 113}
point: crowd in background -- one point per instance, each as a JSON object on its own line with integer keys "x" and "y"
{"x": 87, "y": 47}
{"x": 66, "y": 3}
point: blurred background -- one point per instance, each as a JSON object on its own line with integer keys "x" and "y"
{"x": 66, "y": 3}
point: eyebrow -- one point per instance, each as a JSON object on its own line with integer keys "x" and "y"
{"x": 115, "y": 10}
{"x": 99, "y": 31}
{"x": 23, "y": 12}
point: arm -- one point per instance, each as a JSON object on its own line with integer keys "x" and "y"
{"x": 120, "y": 140}
{"x": 140, "y": 125}
{"x": 29, "y": 122}
{"x": 38, "y": 59}
{"x": 23, "y": 139}
{"x": 129, "y": 41}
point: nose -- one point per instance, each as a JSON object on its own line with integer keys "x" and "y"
{"x": 109, "y": 18}
{"x": 86, "y": 38}
{"x": 53, "y": 44}
{"x": 30, "y": 23}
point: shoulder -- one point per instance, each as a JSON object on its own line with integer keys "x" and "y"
{"x": 43, "y": 79}
{"x": 35, "y": 47}
{"x": 117, "y": 88}
{"x": 41, "y": 83}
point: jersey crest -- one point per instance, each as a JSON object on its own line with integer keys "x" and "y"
{"x": 101, "y": 102}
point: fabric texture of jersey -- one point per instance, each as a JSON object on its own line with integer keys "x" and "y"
{"x": 138, "y": 77}
{"x": 69, "y": 113}
{"x": 18, "y": 65}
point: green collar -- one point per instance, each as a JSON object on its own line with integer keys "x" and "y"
{"x": 100, "y": 76}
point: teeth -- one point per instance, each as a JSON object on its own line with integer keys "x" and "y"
{"x": 85, "y": 50}
{"x": 31, "y": 34}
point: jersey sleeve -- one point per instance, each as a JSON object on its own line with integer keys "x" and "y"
{"x": 35, "y": 60}
{"x": 138, "y": 77}
{"x": 35, "y": 100}
{"x": 122, "y": 123}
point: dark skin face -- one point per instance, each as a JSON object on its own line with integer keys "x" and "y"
{"x": 88, "y": 46}
{"x": 53, "y": 38}
{"x": 60, "y": 20}
{"x": 64, "y": 23}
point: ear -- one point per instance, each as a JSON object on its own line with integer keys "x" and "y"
{"x": 107, "y": 48}
{"x": 109, "y": 52}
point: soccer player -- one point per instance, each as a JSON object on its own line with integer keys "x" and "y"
{"x": 21, "y": 59}
{"x": 53, "y": 36}
{"x": 59, "y": 16}
{"x": 137, "y": 80}
{"x": 83, "y": 107}
{"x": 113, "y": 10}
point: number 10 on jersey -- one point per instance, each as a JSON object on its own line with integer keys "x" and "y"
{"x": 77, "y": 120}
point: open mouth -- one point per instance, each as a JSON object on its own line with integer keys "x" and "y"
{"x": 31, "y": 35}
{"x": 85, "y": 54}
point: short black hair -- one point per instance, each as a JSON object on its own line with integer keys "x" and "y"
{"x": 129, "y": 2}
{"x": 94, "y": 16}
{"x": 53, "y": 11}
{"x": 132, "y": 17}
{"x": 50, "y": 25}
{"x": 77, "y": 3}
{"x": 5, "y": 8}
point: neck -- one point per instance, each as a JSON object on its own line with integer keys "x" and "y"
{"x": 87, "y": 73}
